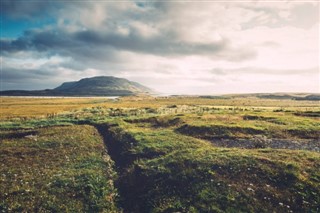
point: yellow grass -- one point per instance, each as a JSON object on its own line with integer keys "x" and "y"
{"x": 38, "y": 107}
{"x": 13, "y": 107}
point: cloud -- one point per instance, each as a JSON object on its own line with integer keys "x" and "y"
{"x": 80, "y": 43}
{"x": 160, "y": 41}
{"x": 265, "y": 71}
{"x": 158, "y": 45}
{"x": 279, "y": 14}
{"x": 162, "y": 28}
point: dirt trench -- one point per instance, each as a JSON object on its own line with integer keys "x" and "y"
{"x": 127, "y": 184}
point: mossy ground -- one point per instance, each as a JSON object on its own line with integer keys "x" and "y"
{"x": 55, "y": 159}
{"x": 56, "y": 169}
{"x": 168, "y": 172}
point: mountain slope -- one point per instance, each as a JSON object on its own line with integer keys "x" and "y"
{"x": 95, "y": 86}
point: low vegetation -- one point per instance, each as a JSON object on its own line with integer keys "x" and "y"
{"x": 162, "y": 171}
{"x": 26, "y": 108}
{"x": 144, "y": 154}
{"x": 56, "y": 169}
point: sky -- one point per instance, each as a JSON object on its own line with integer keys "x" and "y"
{"x": 173, "y": 47}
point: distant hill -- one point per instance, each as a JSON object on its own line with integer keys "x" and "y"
{"x": 95, "y": 86}
{"x": 279, "y": 96}
{"x": 309, "y": 97}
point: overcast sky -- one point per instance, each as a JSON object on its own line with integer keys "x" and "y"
{"x": 175, "y": 47}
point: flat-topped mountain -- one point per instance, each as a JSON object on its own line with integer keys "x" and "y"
{"x": 95, "y": 86}
{"x": 103, "y": 85}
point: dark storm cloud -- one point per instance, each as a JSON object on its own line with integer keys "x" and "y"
{"x": 80, "y": 44}
{"x": 51, "y": 42}
{"x": 158, "y": 45}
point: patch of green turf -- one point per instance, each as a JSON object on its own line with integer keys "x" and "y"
{"x": 56, "y": 169}
{"x": 168, "y": 172}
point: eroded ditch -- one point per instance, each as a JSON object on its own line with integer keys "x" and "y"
{"x": 132, "y": 183}
{"x": 127, "y": 183}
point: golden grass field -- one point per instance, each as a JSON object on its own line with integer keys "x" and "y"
{"x": 29, "y": 107}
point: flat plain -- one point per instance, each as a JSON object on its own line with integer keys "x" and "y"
{"x": 159, "y": 154}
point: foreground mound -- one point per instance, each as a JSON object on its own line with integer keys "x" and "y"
{"x": 162, "y": 171}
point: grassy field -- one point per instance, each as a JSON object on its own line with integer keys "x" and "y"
{"x": 45, "y": 107}
{"x": 146, "y": 154}
{"x": 57, "y": 169}
{"x": 173, "y": 172}
{"x": 42, "y": 107}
